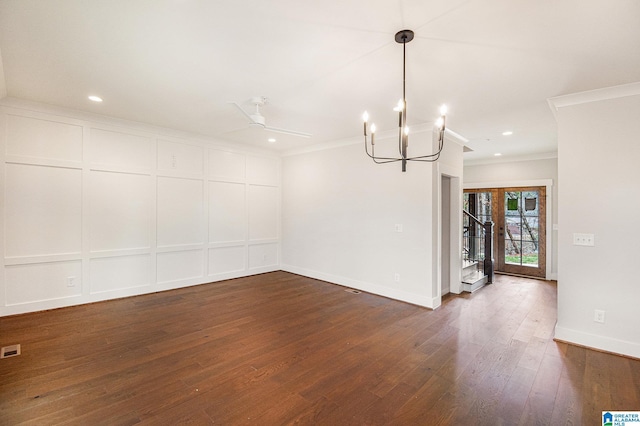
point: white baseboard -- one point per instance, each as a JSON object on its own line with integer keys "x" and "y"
{"x": 436, "y": 302}
{"x": 598, "y": 342}
{"x": 43, "y": 305}
{"x": 403, "y": 296}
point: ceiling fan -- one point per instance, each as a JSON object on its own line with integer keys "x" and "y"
{"x": 257, "y": 120}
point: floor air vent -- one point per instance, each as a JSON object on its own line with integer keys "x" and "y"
{"x": 9, "y": 351}
{"x": 352, "y": 291}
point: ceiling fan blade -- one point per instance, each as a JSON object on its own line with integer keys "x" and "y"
{"x": 246, "y": 114}
{"x": 288, "y": 132}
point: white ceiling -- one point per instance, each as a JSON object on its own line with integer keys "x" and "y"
{"x": 177, "y": 63}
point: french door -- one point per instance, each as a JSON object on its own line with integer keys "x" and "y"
{"x": 519, "y": 216}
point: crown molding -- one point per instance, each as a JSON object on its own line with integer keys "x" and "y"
{"x": 603, "y": 94}
{"x": 10, "y": 103}
{"x": 512, "y": 159}
{"x": 449, "y": 136}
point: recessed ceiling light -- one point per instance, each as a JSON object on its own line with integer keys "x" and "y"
{"x": 507, "y": 133}
{"x": 272, "y": 140}
{"x": 95, "y": 98}
{"x": 497, "y": 154}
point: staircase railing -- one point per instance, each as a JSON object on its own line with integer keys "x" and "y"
{"x": 477, "y": 243}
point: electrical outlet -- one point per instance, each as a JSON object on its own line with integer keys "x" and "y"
{"x": 598, "y": 316}
{"x": 396, "y": 277}
{"x": 71, "y": 281}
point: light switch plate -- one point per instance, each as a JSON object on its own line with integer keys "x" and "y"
{"x": 583, "y": 240}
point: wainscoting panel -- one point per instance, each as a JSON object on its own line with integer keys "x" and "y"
{"x": 116, "y": 149}
{"x": 227, "y": 212}
{"x": 179, "y": 266}
{"x": 227, "y": 166}
{"x": 180, "y": 212}
{"x": 263, "y": 212}
{"x": 181, "y": 158}
{"x": 43, "y": 281}
{"x": 31, "y": 137}
{"x": 263, "y": 170}
{"x": 120, "y": 211}
{"x": 119, "y": 272}
{"x": 263, "y": 255}
{"x": 43, "y": 210}
{"x": 224, "y": 260}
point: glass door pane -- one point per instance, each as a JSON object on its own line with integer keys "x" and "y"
{"x": 521, "y": 214}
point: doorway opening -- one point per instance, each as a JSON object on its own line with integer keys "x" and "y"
{"x": 519, "y": 215}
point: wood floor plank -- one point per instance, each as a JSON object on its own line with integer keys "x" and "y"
{"x": 416, "y": 409}
{"x": 514, "y": 396}
{"x": 453, "y": 406}
{"x": 542, "y": 395}
{"x": 567, "y": 408}
{"x": 596, "y": 390}
{"x": 621, "y": 377}
{"x": 491, "y": 389}
{"x": 279, "y": 348}
{"x": 382, "y": 412}
{"x": 317, "y": 414}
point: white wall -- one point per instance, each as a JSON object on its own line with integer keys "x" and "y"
{"x": 598, "y": 154}
{"x": 501, "y": 174}
{"x": 94, "y": 208}
{"x": 445, "y": 227}
{"x": 450, "y": 168}
{"x": 340, "y": 212}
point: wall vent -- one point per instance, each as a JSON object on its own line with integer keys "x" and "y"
{"x": 9, "y": 351}
{"x": 352, "y": 291}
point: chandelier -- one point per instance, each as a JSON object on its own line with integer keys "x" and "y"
{"x": 404, "y": 37}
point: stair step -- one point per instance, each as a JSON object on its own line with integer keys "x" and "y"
{"x": 474, "y": 281}
{"x": 467, "y": 263}
{"x": 473, "y": 276}
{"x": 469, "y": 267}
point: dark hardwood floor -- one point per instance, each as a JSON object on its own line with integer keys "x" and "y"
{"x": 283, "y": 349}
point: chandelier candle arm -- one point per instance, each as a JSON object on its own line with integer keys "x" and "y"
{"x": 404, "y": 37}
{"x": 365, "y": 117}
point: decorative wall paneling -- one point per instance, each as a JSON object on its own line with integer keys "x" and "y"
{"x": 93, "y": 210}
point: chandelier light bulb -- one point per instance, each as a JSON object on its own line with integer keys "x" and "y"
{"x": 373, "y": 128}
{"x": 439, "y": 122}
{"x": 400, "y": 106}
{"x": 443, "y": 109}
{"x": 365, "y": 116}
